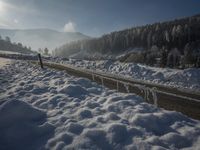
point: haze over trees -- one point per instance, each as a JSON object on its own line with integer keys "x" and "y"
{"x": 41, "y": 38}
{"x": 7, "y": 45}
{"x": 173, "y": 43}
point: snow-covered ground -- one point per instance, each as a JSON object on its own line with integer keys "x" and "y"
{"x": 187, "y": 78}
{"x": 86, "y": 54}
{"x": 4, "y": 61}
{"x": 46, "y": 109}
{"x": 8, "y": 52}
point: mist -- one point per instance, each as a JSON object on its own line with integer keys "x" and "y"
{"x": 41, "y": 38}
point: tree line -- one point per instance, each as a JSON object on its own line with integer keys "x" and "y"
{"x": 7, "y": 45}
{"x": 44, "y": 51}
{"x": 158, "y": 40}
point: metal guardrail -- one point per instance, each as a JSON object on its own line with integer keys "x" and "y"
{"x": 187, "y": 102}
{"x": 161, "y": 96}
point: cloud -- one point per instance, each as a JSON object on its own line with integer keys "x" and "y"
{"x": 70, "y": 27}
{"x": 16, "y": 21}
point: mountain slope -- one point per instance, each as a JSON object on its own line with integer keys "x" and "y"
{"x": 158, "y": 42}
{"x": 40, "y": 38}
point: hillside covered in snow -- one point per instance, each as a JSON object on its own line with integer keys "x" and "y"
{"x": 48, "y": 109}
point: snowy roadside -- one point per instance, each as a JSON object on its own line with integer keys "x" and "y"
{"x": 187, "y": 78}
{"x": 4, "y": 61}
{"x": 50, "y": 109}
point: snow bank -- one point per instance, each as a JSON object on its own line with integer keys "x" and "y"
{"x": 51, "y": 110}
{"x": 187, "y": 78}
{"x": 22, "y": 126}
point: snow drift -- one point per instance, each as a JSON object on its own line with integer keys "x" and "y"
{"x": 75, "y": 113}
{"x": 22, "y": 126}
{"x": 187, "y": 78}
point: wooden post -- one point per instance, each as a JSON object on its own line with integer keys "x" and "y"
{"x": 40, "y": 60}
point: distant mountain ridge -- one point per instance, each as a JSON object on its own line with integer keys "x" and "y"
{"x": 41, "y": 38}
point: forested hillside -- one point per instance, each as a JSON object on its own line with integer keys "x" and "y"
{"x": 172, "y": 43}
{"x": 7, "y": 45}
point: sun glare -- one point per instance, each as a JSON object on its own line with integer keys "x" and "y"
{"x": 2, "y": 7}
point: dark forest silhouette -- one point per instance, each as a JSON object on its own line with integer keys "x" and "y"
{"x": 7, "y": 45}
{"x": 173, "y": 43}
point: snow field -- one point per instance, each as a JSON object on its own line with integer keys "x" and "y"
{"x": 48, "y": 109}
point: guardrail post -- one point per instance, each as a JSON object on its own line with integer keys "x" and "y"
{"x": 40, "y": 60}
{"x": 102, "y": 81}
{"x": 117, "y": 86}
{"x": 92, "y": 76}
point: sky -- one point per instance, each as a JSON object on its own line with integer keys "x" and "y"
{"x": 91, "y": 17}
